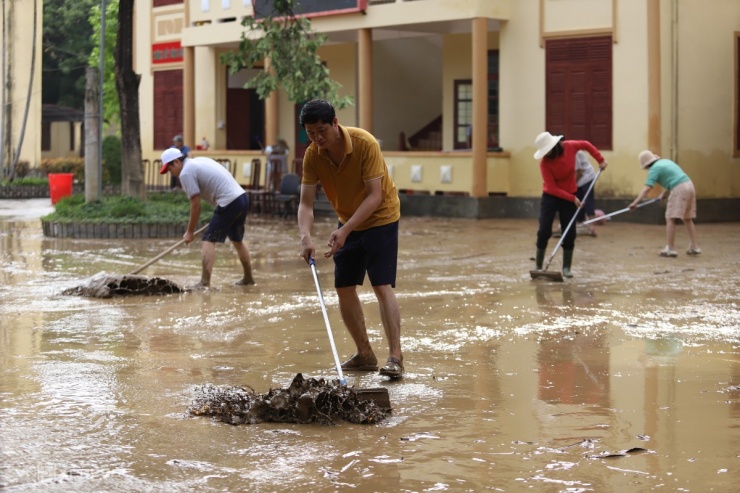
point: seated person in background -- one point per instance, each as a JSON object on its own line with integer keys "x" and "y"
{"x": 277, "y": 152}
{"x": 585, "y": 175}
{"x": 177, "y": 143}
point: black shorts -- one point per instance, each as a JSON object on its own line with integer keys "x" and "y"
{"x": 228, "y": 221}
{"x": 589, "y": 205}
{"x": 374, "y": 251}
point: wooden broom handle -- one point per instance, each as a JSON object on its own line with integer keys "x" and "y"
{"x": 166, "y": 252}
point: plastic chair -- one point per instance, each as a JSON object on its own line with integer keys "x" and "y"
{"x": 276, "y": 166}
{"x": 288, "y": 195}
{"x": 259, "y": 199}
{"x": 254, "y": 177}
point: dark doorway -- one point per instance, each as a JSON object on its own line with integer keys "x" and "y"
{"x": 301, "y": 137}
{"x": 245, "y": 119}
{"x": 168, "y": 110}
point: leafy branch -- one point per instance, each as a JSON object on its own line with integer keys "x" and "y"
{"x": 292, "y": 49}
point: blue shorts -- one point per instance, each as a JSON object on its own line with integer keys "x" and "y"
{"x": 374, "y": 250}
{"x": 228, "y": 221}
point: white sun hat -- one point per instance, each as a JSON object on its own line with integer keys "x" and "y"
{"x": 545, "y": 142}
{"x": 647, "y": 158}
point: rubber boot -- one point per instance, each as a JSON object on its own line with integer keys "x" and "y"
{"x": 539, "y": 258}
{"x": 567, "y": 261}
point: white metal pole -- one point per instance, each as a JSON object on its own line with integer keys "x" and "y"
{"x": 101, "y": 69}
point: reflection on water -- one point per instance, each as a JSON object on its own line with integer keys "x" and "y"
{"x": 512, "y": 384}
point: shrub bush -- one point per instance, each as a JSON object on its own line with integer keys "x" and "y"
{"x": 112, "y": 159}
{"x": 21, "y": 170}
{"x": 27, "y": 181}
{"x": 127, "y": 207}
{"x": 74, "y": 165}
{"x": 164, "y": 207}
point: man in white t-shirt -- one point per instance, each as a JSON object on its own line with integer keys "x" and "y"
{"x": 204, "y": 178}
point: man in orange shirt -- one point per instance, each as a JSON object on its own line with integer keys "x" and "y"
{"x": 348, "y": 163}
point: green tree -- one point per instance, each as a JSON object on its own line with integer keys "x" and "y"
{"x": 112, "y": 159}
{"x": 67, "y": 43}
{"x": 292, "y": 47}
{"x": 111, "y": 109}
{"x": 127, "y": 85}
{"x": 121, "y": 88}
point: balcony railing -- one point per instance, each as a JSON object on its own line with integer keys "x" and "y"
{"x": 217, "y": 11}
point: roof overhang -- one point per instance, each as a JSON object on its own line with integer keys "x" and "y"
{"x": 56, "y": 113}
{"x": 387, "y": 21}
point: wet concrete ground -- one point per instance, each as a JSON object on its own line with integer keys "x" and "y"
{"x": 511, "y": 385}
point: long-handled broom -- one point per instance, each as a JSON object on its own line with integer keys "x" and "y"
{"x": 164, "y": 253}
{"x": 558, "y": 276}
{"x": 104, "y": 285}
{"x": 378, "y": 395}
{"x": 601, "y": 218}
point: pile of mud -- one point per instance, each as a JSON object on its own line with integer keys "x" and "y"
{"x": 304, "y": 401}
{"x": 104, "y": 285}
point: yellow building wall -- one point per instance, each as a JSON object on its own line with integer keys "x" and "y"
{"x": 144, "y": 26}
{"x": 624, "y": 177}
{"x": 697, "y": 101}
{"x": 521, "y": 96}
{"x": 341, "y": 59}
{"x": 522, "y": 87}
{"x": 699, "y": 138}
{"x": 401, "y": 104}
{"x": 576, "y": 15}
{"x": 60, "y": 140}
{"x": 706, "y": 73}
{"x": 287, "y": 122}
{"x": 457, "y": 60}
{"x": 207, "y": 76}
{"x": 445, "y": 172}
{"x": 457, "y": 64}
{"x": 18, "y": 55}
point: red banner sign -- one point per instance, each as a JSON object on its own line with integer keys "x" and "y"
{"x": 167, "y": 52}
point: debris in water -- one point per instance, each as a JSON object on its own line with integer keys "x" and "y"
{"x": 304, "y": 401}
{"x": 104, "y": 285}
{"x": 621, "y": 453}
{"x": 731, "y": 388}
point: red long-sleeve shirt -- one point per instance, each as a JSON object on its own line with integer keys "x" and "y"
{"x": 559, "y": 174}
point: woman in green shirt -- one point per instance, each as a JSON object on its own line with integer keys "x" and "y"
{"x": 681, "y": 201}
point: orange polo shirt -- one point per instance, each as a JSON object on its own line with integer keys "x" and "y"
{"x": 344, "y": 185}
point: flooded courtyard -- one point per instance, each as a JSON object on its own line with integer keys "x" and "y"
{"x": 624, "y": 378}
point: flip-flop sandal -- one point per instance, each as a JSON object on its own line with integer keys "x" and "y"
{"x": 353, "y": 364}
{"x": 393, "y": 368}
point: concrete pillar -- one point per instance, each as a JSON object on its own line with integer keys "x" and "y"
{"x": 365, "y": 72}
{"x": 93, "y": 190}
{"x": 188, "y": 95}
{"x": 653, "y": 70}
{"x": 272, "y": 109}
{"x": 479, "y": 135}
{"x": 210, "y": 88}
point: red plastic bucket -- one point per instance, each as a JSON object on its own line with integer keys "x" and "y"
{"x": 60, "y": 186}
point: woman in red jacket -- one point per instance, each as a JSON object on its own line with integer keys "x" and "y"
{"x": 558, "y": 169}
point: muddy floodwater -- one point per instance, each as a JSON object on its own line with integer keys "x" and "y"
{"x": 623, "y": 379}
